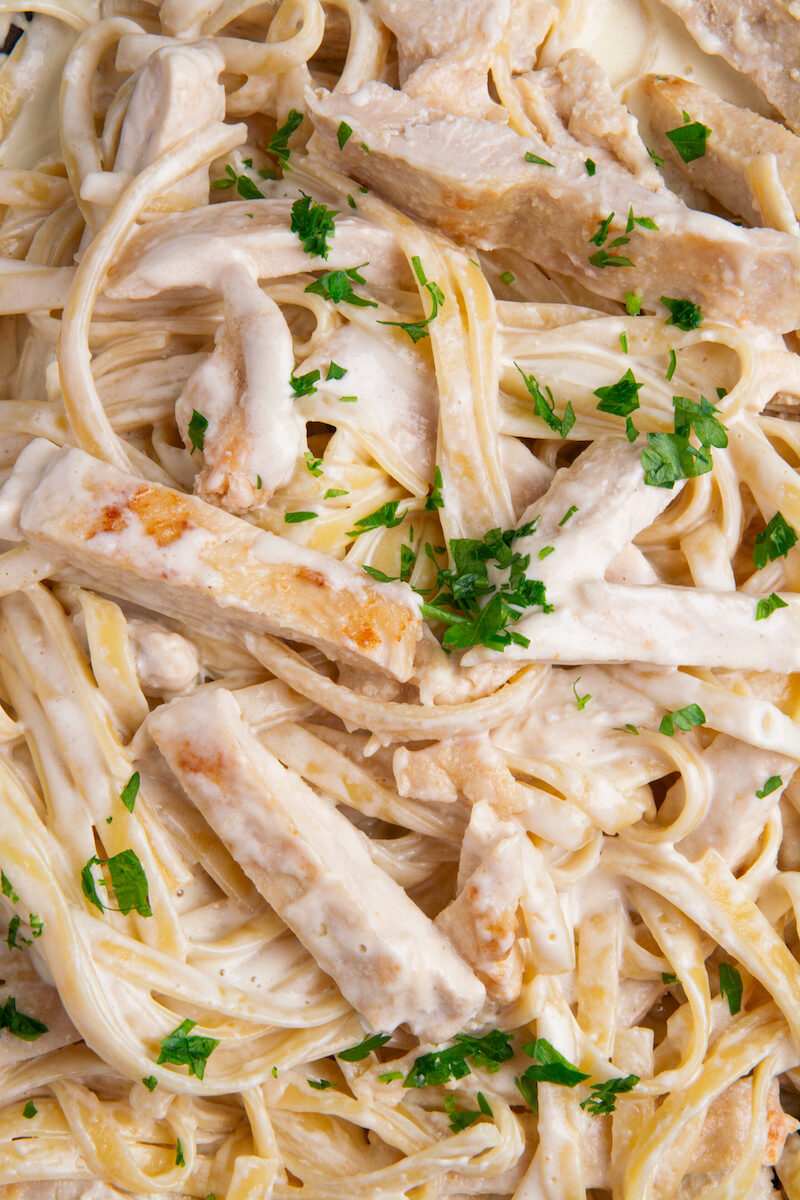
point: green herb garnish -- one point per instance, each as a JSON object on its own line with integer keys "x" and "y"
{"x": 766, "y": 607}
{"x": 313, "y": 224}
{"x": 418, "y": 329}
{"x": 338, "y": 287}
{"x": 730, "y": 987}
{"x": 545, "y": 405}
{"x": 682, "y": 718}
{"x": 773, "y": 542}
{"x": 197, "y": 430}
{"x": 185, "y": 1049}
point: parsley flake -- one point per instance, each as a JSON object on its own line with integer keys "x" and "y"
{"x": 304, "y": 385}
{"x": 29, "y": 1111}
{"x": 180, "y": 1159}
{"x": 767, "y": 606}
{"x": 602, "y": 1095}
{"x": 314, "y": 464}
{"x": 545, "y": 405}
{"x": 633, "y": 304}
{"x": 623, "y": 341}
{"x": 390, "y": 1076}
{"x": 150, "y": 1082}
{"x": 440, "y": 1066}
{"x": 730, "y": 986}
{"x": 581, "y": 701}
{"x": 666, "y": 977}
{"x": 689, "y": 414}
{"x": 669, "y": 457}
{"x": 568, "y": 515}
{"x": 460, "y": 1118}
{"x": 313, "y": 224}
{"x": 320, "y": 1084}
{"x": 243, "y": 184}
{"x": 775, "y": 541}
{"x": 386, "y": 515}
{"x": 333, "y": 492}
{"x": 7, "y": 889}
{"x": 682, "y": 718}
{"x": 673, "y": 362}
{"x": 128, "y": 881}
{"x": 343, "y": 133}
{"x": 337, "y": 286}
{"x": 356, "y": 1053}
{"x": 591, "y": 166}
{"x": 435, "y": 500}
{"x": 28, "y": 1029}
{"x": 417, "y": 330}
{"x": 620, "y": 398}
{"x": 335, "y": 371}
{"x": 297, "y": 517}
{"x": 684, "y": 313}
{"x": 507, "y": 277}
{"x": 197, "y": 430}
{"x": 689, "y": 139}
{"x": 657, "y": 159}
{"x": 279, "y": 142}
{"x": 13, "y": 933}
{"x": 535, "y": 158}
{"x": 130, "y": 791}
{"x": 772, "y": 785}
{"x": 185, "y": 1049}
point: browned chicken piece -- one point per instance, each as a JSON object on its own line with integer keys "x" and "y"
{"x": 182, "y": 557}
{"x": 315, "y": 869}
{"x": 737, "y": 136}
{"x": 576, "y": 94}
{"x": 746, "y": 33}
{"x": 472, "y": 179}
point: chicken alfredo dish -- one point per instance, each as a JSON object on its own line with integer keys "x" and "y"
{"x": 400, "y": 617}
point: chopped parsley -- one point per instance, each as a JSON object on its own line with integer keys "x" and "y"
{"x": 279, "y": 142}
{"x": 417, "y": 330}
{"x": 150, "y": 1082}
{"x": 356, "y": 1053}
{"x": 348, "y": 399}
{"x": 581, "y": 701}
{"x": 335, "y": 371}
{"x": 314, "y": 464}
{"x": 775, "y": 541}
{"x": 390, "y": 1076}
{"x": 633, "y": 221}
{"x": 545, "y": 405}
{"x": 657, "y": 159}
{"x": 568, "y": 515}
{"x": 333, "y": 492}
{"x": 673, "y": 362}
{"x": 180, "y": 1159}
{"x": 338, "y": 287}
{"x": 667, "y": 977}
{"x": 623, "y": 341}
{"x": 683, "y": 313}
{"x": 130, "y": 791}
{"x": 259, "y": 484}
{"x": 29, "y": 1111}
{"x": 297, "y": 517}
{"x": 689, "y": 139}
{"x": 730, "y": 986}
{"x": 535, "y": 158}
{"x": 434, "y": 500}
{"x": 460, "y": 1118}
{"x": 185, "y": 1049}
{"x": 197, "y": 430}
{"x": 772, "y": 785}
{"x": 633, "y": 304}
{"x": 602, "y": 258}
{"x": 602, "y": 1095}
{"x": 304, "y": 385}
{"x": 507, "y": 277}
{"x": 766, "y": 607}
{"x": 669, "y": 457}
{"x": 13, "y": 933}
{"x": 440, "y": 1066}
{"x": 127, "y": 879}
{"x": 546, "y": 551}
{"x": 343, "y": 133}
{"x": 243, "y": 184}
{"x": 689, "y": 414}
{"x": 682, "y": 718}
{"x": 351, "y": 201}
{"x": 591, "y": 166}
{"x": 313, "y": 224}
{"x": 461, "y": 591}
{"x": 7, "y": 889}
{"x": 36, "y": 923}
{"x": 19, "y": 1024}
{"x": 620, "y": 398}
{"x": 386, "y": 515}
{"x": 320, "y": 1085}
{"x": 408, "y": 558}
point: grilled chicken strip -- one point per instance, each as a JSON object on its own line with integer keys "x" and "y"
{"x": 314, "y": 867}
{"x": 471, "y": 178}
{"x": 746, "y": 33}
{"x": 188, "y": 559}
{"x": 737, "y": 137}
